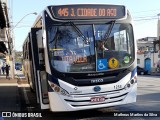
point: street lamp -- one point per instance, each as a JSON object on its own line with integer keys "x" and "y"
{"x": 13, "y": 52}
{"x": 23, "y": 18}
{"x": 158, "y": 15}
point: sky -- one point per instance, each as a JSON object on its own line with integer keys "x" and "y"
{"x": 144, "y": 13}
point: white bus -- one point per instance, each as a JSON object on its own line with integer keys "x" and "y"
{"x": 81, "y": 56}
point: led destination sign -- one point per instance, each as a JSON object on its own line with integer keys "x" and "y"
{"x": 88, "y": 11}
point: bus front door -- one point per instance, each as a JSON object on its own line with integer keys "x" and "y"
{"x": 39, "y": 68}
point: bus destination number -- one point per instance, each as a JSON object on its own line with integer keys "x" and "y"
{"x": 117, "y": 87}
{"x": 87, "y": 12}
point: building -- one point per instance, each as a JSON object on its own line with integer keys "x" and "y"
{"x": 157, "y": 43}
{"x": 5, "y": 39}
{"x": 6, "y": 43}
{"x": 147, "y": 53}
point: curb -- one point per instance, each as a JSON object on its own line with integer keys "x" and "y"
{"x": 21, "y": 80}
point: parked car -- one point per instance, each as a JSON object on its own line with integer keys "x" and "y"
{"x": 158, "y": 66}
{"x": 18, "y": 66}
{"x": 141, "y": 71}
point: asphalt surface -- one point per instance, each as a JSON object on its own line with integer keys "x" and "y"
{"x": 146, "y": 107}
{"x": 17, "y": 98}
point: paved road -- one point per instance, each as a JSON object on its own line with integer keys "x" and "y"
{"x": 148, "y": 100}
{"x": 19, "y": 98}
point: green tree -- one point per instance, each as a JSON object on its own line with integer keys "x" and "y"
{"x": 18, "y": 56}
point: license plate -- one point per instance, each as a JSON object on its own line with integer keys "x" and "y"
{"x": 97, "y": 99}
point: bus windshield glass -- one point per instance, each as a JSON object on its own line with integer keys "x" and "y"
{"x": 92, "y": 47}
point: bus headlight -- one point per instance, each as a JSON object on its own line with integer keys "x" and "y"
{"x": 59, "y": 90}
{"x": 131, "y": 82}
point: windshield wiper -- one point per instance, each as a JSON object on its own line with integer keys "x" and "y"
{"x": 85, "y": 39}
{"x": 106, "y": 36}
{"x": 80, "y": 34}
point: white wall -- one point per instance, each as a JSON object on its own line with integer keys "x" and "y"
{"x": 158, "y": 29}
{"x": 153, "y": 57}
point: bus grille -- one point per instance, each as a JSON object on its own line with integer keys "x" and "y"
{"x": 85, "y": 100}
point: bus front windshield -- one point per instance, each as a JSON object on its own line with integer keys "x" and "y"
{"x": 92, "y": 47}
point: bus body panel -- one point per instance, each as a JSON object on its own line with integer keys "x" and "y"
{"x": 61, "y": 106}
{"x": 38, "y": 67}
{"x": 80, "y": 98}
{"x": 33, "y": 41}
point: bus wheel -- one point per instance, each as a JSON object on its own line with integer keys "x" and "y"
{"x": 158, "y": 69}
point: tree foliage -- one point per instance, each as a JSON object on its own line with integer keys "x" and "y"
{"x": 18, "y": 56}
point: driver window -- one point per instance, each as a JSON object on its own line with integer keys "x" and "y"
{"x": 121, "y": 41}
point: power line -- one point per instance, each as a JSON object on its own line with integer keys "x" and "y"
{"x": 146, "y": 19}
{"x": 142, "y": 18}
{"x": 24, "y": 26}
{"x": 146, "y": 16}
{"x": 145, "y": 11}
{"x": 149, "y": 17}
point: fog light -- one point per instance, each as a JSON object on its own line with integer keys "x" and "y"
{"x": 57, "y": 89}
{"x": 52, "y": 85}
{"x": 128, "y": 85}
{"x": 135, "y": 77}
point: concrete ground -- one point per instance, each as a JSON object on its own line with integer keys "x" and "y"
{"x": 9, "y": 94}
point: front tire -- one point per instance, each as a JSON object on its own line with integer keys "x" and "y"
{"x": 158, "y": 69}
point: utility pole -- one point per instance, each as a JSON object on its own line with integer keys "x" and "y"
{"x": 12, "y": 57}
